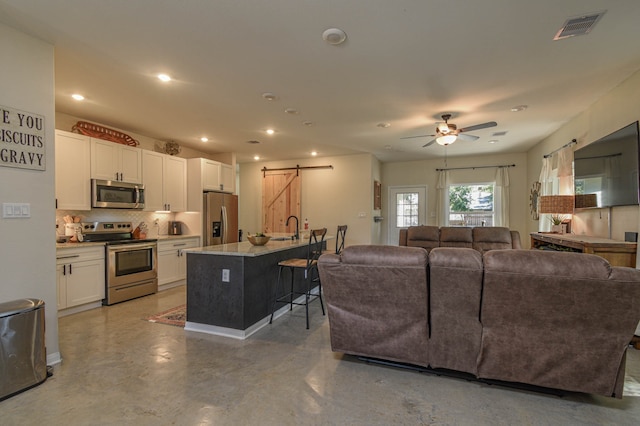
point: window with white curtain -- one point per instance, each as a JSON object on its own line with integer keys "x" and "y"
{"x": 472, "y": 204}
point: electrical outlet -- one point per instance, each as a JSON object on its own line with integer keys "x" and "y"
{"x": 225, "y": 275}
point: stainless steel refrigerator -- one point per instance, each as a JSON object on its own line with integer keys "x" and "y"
{"x": 220, "y": 218}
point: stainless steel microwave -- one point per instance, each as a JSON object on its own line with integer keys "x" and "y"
{"x": 111, "y": 194}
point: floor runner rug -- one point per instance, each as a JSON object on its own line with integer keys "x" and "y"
{"x": 174, "y": 316}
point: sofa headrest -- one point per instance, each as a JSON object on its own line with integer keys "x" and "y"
{"x": 384, "y": 256}
{"x": 423, "y": 233}
{"x": 455, "y": 257}
{"x": 492, "y": 234}
{"x": 426, "y": 237}
{"x": 456, "y": 234}
{"x": 547, "y": 263}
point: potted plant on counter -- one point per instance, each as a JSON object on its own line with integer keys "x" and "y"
{"x": 556, "y": 223}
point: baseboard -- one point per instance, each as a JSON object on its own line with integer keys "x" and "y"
{"x": 54, "y": 358}
{"x": 81, "y": 308}
{"x": 167, "y": 286}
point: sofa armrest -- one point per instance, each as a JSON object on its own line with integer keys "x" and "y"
{"x": 515, "y": 240}
{"x": 402, "y": 237}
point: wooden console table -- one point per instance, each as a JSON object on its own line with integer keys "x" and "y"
{"x": 618, "y": 253}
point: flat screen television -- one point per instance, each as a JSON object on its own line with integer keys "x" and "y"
{"x": 606, "y": 171}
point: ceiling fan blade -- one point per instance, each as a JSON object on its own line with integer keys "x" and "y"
{"x": 429, "y": 143}
{"x": 468, "y": 138}
{"x": 479, "y": 126}
{"x": 418, "y": 136}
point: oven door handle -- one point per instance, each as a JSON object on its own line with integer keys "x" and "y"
{"x": 129, "y": 247}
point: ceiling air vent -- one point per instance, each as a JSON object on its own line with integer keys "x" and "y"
{"x": 578, "y": 26}
{"x": 497, "y": 134}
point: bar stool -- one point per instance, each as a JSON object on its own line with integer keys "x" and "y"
{"x": 309, "y": 266}
{"x": 340, "y": 236}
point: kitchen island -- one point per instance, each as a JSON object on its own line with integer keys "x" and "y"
{"x": 230, "y": 287}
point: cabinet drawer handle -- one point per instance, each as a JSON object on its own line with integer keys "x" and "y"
{"x": 64, "y": 269}
{"x": 70, "y": 271}
{"x": 68, "y": 257}
{"x": 180, "y": 244}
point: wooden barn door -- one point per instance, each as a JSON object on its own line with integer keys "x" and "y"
{"x": 280, "y": 199}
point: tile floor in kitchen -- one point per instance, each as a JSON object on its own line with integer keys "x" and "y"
{"x": 119, "y": 369}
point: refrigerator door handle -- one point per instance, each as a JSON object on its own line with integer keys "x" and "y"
{"x": 224, "y": 225}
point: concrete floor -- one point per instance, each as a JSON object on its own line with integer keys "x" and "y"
{"x": 118, "y": 369}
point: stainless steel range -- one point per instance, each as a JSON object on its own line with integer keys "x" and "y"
{"x": 131, "y": 265}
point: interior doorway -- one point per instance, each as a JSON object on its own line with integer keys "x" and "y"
{"x": 407, "y": 207}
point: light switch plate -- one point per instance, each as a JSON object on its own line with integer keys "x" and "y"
{"x": 7, "y": 210}
{"x": 16, "y": 210}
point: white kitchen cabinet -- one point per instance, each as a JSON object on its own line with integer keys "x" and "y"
{"x": 210, "y": 175}
{"x": 207, "y": 175}
{"x": 165, "y": 182}
{"x": 80, "y": 275}
{"x": 172, "y": 261}
{"x": 73, "y": 172}
{"x": 227, "y": 178}
{"x": 175, "y": 183}
{"x": 114, "y": 161}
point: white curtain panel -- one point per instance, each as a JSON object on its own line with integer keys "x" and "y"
{"x": 565, "y": 160}
{"x": 442, "y": 198}
{"x": 546, "y": 185}
{"x": 501, "y": 199}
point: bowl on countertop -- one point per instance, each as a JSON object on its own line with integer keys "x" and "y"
{"x": 258, "y": 241}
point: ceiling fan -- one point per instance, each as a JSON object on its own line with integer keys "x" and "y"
{"x": 447, "y": 133}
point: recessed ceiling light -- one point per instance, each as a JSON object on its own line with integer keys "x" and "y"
{"x": 291, "y": 111}
{"x": 164, "y": 77}
{"x": 77, "y": 97}
{"x": 269, "y": 96}
{"x": 314, "y": 153}
{"x": 204, "y": 139}
{"x": 256, "y": 157}
{"x": 334, "y": 36}
{"x": 383, "y": 125}
{"x": 518, "y": 108}
{"x": 270, "y": 131}
{"x": 493, "y": 141}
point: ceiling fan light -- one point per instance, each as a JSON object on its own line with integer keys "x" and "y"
{"x": 446, "y": 139}
{"x": 443, "y": 128}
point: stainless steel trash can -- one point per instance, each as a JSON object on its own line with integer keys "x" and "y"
{"x": 23, "y": 358}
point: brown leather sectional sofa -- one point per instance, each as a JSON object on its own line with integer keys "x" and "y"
{"x": 478, "y": 238}
{"x": 550, "y": 319}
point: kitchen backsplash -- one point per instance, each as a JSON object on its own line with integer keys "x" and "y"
{"x": 109, "y": 215}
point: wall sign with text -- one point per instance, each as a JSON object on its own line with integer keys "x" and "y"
{"x": 22, "y": 142}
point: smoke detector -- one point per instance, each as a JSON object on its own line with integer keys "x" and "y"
{"x": 334, "y": 36}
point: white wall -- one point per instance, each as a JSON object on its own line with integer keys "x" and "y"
{"x": 330, "y": 197}
{"x": 410, "y": 173}
{"x": 611, "y": 112}
{"x": 27, "y": 248}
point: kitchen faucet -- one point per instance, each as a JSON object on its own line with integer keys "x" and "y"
{"x": 297, "y": 235}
